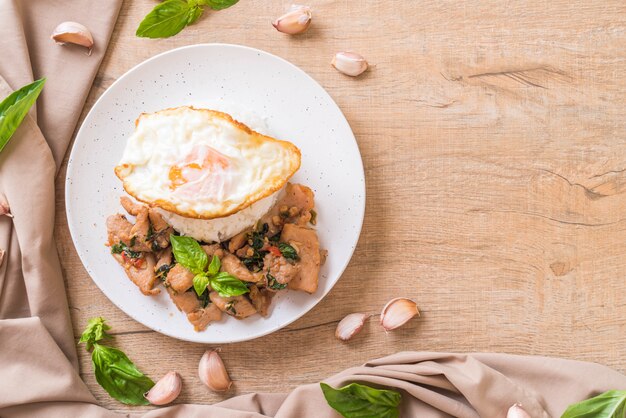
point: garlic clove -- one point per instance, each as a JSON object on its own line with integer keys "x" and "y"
{"x": 165, "y": 390}
{"x": 349, "y": 63}
{"x": 213, "y": 373}
{"x": 73, "y": 33}
{"x": 516, "y": 411}
{"x": 349, "y": 326}
{"x": 295, "y": 21}
{"x": 4, "y": 207}
{"x": 397, "y": 312}
{"x": 1, "y": 256}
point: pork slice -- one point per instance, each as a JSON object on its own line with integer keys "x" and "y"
{"x": 237, "y": 306}
{"x": 179, "y": 278}
{"x": 213, "y": 249}
{"x": 261, "y": 299}
{"x": 232, "y": 265}
{"x": 164, "y": 257}
{"x": 161, "y": 230}
{"x": 305, "y": 242}
{"x": 130, "y": 206}
{"x": 201, "y": 318}
{"x": 140, "y": 231}
{"x": 118, "y": 229}
{"x": 186, "y": 302}
{"x": 238, "y": 241}
{"x": 280, "y": 268}
{"x": 142, "y": 274}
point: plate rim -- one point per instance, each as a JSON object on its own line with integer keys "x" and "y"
{"x": 71, "y": 168}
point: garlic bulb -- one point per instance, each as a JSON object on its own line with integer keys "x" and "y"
{"x": 165, "y": 390}
{"x": 4, "y": 207}
{"x": 73, "y": 33}
{"x": 349, "y": 326}
{"x": 213, "y": 373}
{"x": 295, "y": 21}
{"x": 349, "y": 63}
{"x": 516, "y": 411}
{"x": 397, "y": 312}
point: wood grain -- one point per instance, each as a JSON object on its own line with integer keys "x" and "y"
{"x": 493, "y": 136}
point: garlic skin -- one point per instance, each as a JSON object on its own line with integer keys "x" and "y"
{"x": 349, "y": 63}
{"x": 1, "y": 256}
{"x": 213, "y": 373}
{"x": 397, "y": 312}
{"x": 296, "y": 20}
{"x": 73, "y": 33}
{"x": 516, "y": 411}
{"x": 165, "y": 390}
{"x": 349, "y": 326}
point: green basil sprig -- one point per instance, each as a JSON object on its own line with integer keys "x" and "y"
{"x": 14, "y": 108}
{"x": 113, "y": 369}
{"x": 170, "y": 17}
{"x": 190, "y": 255}
{"x": 611, "y": 404}
{"x": 361, "y": 401}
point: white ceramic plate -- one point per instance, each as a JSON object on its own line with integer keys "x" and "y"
{"x": 226, "y": 77}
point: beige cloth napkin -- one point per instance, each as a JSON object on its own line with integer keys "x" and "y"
{"x": 38, "y": 367}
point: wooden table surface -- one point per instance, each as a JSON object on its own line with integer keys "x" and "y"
{"x": 493, "y": 136}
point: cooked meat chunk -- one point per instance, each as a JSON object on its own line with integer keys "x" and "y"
{"x": 280, "y": 268}
{"x": 129, "y": 206}
{"x": 237, "y": 306}
{"x": 186, "y": 302}
{"x": 235, "y": 267}
{"x": 201, "y": 318}
{"x": 238, "y": 241}
{"x": 161, "y": 231}
{"x": 305, "y": 241}
{"x": 140, "y": 231}
{"x": 118, "y": 229}
{"x": 213, "y": 249}
{"x": 179, "y": 278}
{"x": 261, "y": 299}
{"x": 164, "y": 257}
{"x": 294, "y": 206}
{"x": 140, "y": 271}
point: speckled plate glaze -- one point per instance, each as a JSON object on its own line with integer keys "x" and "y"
{"x": 295, "y": 108}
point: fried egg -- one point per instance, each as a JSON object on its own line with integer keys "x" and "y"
{"x": 203, "y": 164}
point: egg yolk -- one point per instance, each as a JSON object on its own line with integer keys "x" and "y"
{"x": 201, "y": 162}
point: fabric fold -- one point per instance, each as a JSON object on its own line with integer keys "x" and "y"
{"x": 31, "y": 282}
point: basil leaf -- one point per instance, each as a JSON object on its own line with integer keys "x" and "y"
{"x": 360, "y": 401}
{"x": 96, "y": 330}
{"x": 194, "y": 14}
{"x": 611, "y": 404}
{"x": 167, "y": 19}
{"x": 227, "y": 285}
{"x": 200, "y": 282}
{"x": 15, "y": 106}
{"x": 215, "y": 266}
{"x": 218, "y": 4}
{"x": 189, "y": 253}
{"x": 119, "y": 376}
{"x": 288, "y": 252}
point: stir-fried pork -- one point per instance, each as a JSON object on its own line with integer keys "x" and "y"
{"x": 281, "y": 251}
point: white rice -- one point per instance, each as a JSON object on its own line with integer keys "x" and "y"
{"x": 221, "y": 229}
